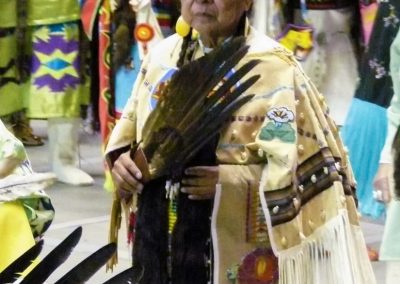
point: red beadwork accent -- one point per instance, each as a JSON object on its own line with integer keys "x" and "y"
{"x": 259, "y": 267}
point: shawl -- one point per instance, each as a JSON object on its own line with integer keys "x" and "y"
{"x": 282, "y": 146}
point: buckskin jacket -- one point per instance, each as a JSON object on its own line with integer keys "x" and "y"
{"x": 286, "y": 191}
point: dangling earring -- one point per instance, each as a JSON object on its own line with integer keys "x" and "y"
{"x": 182, "y": 27}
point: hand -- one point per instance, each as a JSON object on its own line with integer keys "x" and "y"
{"x": 382, "y": 183}
{"x": 126, "y": 176}
{"x": 200, "y": 182}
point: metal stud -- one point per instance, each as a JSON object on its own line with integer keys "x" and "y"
{"x": 243, "y": 155}
{"x": 300, "y": 149}
{"x": 326, "y": 170}
{"x": 323, "y": 215}
{"x": 301, "y": 188}
{"x": 260, "y": 153}
{"x": 275, "y": 210}
{"x": 311, "y": 224}
{"x": 284, "y": 242}
{"x": 296, "y": 203}
{"x": 314, "y": 179}
{"x": 234, "y": 134}
{"x": 301, "y": 117}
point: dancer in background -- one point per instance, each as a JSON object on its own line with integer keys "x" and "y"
{"x": 122, "y": 32}
{"x": 58, "y": 85}
{"x": 385, "y": 185}
{"x": 365, "y": 128}
{"x": 334, "y": 48}
{"x": 14, "y": 70}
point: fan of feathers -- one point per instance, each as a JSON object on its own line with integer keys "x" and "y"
{"x": 192, "y": 107}
{"x": 21, "y": 271}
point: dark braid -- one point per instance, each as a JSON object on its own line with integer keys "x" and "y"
{"x": 185, "y": 45}
{"x": 124, "y": 22}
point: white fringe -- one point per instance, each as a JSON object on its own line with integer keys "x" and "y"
{"x": 333, "y": 254}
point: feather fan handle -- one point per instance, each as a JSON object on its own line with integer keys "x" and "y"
{"x": 89, "y": 266}
{"x": 128, "y": 276}
{"x": 54, "y": 259}
{"x": 14, "y": 270}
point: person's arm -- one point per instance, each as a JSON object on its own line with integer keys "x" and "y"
{"x": 382, "y": 181}
{"x": 125, "y": 174}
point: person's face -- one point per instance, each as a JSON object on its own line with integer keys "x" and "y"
{"x": 214, "y": 18}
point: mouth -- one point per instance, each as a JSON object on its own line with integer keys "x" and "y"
{"x": 204, "y": 15}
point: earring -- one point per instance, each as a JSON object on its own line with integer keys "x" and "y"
{"x": 182, "y": 27}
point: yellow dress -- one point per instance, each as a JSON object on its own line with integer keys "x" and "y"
{"x": 20, "y": 201}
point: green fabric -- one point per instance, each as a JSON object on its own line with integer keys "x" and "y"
{"x": 8, "y": 15}
{"x": 40, "y": 12}
{"x": 44, "y": 12}
{"x": 43, "y": 102}
{"x": 390, "y": 249}
{"x": 11, "y": 99}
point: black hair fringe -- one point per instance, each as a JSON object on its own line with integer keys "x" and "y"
{"x": 191, "y": 238}
{"x": 123, "y": 22}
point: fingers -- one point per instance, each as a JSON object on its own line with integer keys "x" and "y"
{"x": 203, "y": 171}
{"x": 201, "y": 176}
{"x": 126, "y": 174}
{"x": 199, "y": 193}
{"x": 381, "y": 191}
{"x": 199, "y": 182}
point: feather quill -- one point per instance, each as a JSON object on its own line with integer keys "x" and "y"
{"x": 89, "y": 266}
{"x": 12, "y": 272}
{"x": 131, "y": 275}
{"x": 54, "y": 259}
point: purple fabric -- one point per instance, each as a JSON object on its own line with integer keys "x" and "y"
{"x": 55, "y": 42}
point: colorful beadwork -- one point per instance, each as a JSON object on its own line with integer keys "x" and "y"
{"x": 256, "y": 226}
{"x": 259, "y": 267}
{"x": 172, "y": 214}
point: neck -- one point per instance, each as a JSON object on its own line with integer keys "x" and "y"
{"x": 212, "y": 41}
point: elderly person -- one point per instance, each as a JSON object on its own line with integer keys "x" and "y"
{"x": 279, "y": 192}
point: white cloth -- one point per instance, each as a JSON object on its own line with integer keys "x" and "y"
{"x": 332, "y": 64}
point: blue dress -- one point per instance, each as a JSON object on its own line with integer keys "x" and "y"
{"x": 365, "y": 128}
